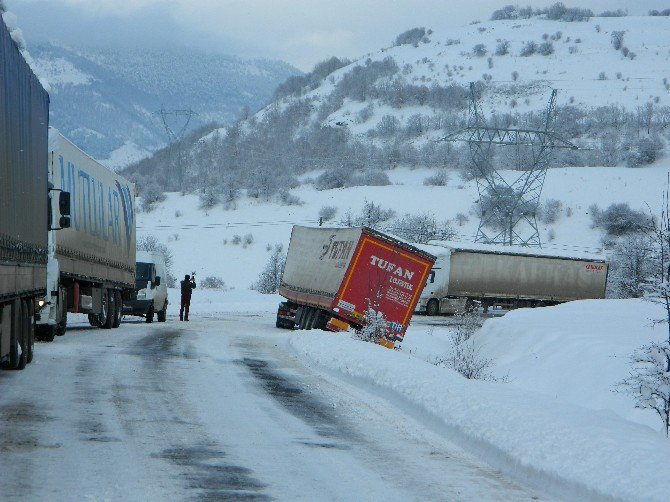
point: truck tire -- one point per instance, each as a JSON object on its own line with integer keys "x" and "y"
{"x": 30, "y": 330}
{"x": 433, "y": 307}
{"x": 22, "y": 338}
{"x": 150, "y": 315}
{"x": 61, "y": 323}
{"x": 111, "y": 309}
{"x": 94, "y": 320}
{"x": 15, "y": 331}
{"x": 162, "y": 314}
{"x": 118, "y": 309}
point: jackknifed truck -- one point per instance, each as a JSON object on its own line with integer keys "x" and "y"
{"x": 91, "y": 265}
{"x": 343, "y": 278}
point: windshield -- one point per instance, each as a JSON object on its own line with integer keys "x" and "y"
{"x": 143, "y": 271}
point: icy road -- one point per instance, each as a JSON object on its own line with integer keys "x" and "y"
{"x": 218, "y": 408}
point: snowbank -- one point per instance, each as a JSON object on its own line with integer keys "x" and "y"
{"x": 524, "y": 432}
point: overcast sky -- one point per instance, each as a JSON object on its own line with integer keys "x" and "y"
{"x": 301, "y": 32}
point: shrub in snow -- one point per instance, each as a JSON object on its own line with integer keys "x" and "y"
{"x": 479, "y": 50}
{"x": 376, "y": 327}
{"x": 212, "y": 282}
{"x": 209, "y": 197}
{"x": 631, "y": 266}
{"x": 550, "y": 211}
{"x": 461, "y": 219}
{"x": 645, "y": 151}
{"x": 336, "y": 178}
{"x": 286, "y": 198}
{"x": 373, "y": 215}
{"x": 465, "y": 356}
{"x": 515, "y": 75}
{"x": 236, "y": 240}
{"x": 649, "y": 380}
{"x": 327, "y": 213}
{"x": 617, "y": 39}
{"x": 412, "y": 37}
{"x": 439, "y": 179}
{"x": 545, "y": 48}
{"x": 614, "y": 13}
{"x": 421, "y": 228}
{"x": 512, "y": 12}
{"x": 248, "y": 240}
{"x": 528, "y": 49}
{"x": 664, "y": 12}
{"x": 151, "y": 194}
{"x": 369, "y": 178}
{"x": 269, "y": 280}
{"x": 619, "y": 219}
{"x": 502, "y": 48}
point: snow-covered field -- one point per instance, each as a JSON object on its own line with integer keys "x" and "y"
{"x": 204, "y": 241}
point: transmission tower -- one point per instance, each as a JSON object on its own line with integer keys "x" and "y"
{"x": 508, "y": 207}
{"x": 175, "y": 130}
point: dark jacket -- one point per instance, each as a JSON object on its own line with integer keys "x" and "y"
{"x": 187, "y": 288}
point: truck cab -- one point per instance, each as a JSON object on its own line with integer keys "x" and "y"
{"x": 150, "y": 296}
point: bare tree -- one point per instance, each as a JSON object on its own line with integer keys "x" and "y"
{"x": 269, "y": 279}
{"x": 649, "y": 379}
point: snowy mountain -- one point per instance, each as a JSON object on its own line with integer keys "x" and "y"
{"x": 357, "y": 120}
{"x": 105, "y": 99}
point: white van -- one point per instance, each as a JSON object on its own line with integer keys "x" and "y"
{"x": 150, "y": 296}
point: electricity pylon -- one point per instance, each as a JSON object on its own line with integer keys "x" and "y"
{"x": 175, "y": 135}
{"x": 507, "y": 206}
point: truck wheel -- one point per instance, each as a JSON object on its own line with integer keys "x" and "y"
{"x": 22, "y": 336}
{"x": 118, "y": 303}
{"x": 150, "y": 314}
{"x": 15, "y": 333}
{"x": 433, "y": 308}
{"x": 111, "y": 309}
{"x": 61, "y": 322}
{"x": 30, "y": 330}
{"x": 162, "y": 314}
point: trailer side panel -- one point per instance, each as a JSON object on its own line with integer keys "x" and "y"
{"x": 477, "y": 274}
{"x": 100, "y": 244}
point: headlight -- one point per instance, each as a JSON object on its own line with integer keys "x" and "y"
{"x": 142, "y": 294}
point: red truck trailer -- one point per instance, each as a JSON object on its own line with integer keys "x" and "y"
{"x": 337, "y": 278}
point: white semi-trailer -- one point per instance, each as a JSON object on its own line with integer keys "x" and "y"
{"x": 91, "y": 265}
{"x": 493, "y": 276}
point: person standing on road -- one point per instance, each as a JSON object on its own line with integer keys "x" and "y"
{"x": 187, "y": 287}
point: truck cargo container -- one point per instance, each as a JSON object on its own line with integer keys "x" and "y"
{"x": 334, "y": 278}
{"x": 465, "y": 276}
{"x": 24, "y": 119}
{"x": 91, "y": 264}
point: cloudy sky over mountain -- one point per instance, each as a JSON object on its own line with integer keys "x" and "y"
{"x": 300, "y": 32}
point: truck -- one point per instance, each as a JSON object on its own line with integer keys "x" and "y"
{"x": 342, "y": 278}
{"x": 469, "y": 275}
{"x": 91, "y": 265}
{"x": 24, "y": 207}
{"x": 150, "y": 295}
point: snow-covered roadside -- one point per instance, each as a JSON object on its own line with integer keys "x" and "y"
{"x": 526, "y": 433}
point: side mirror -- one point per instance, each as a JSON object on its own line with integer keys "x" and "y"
{"x": 64, "y": 205}
{"x": 157, "y": 281}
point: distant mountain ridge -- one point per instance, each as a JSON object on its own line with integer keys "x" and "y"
{"x": 105, "y": 100}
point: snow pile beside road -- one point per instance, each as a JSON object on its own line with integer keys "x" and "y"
{"x": 526, "y": 433}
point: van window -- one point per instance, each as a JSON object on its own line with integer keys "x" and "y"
{"x": 144, "y": 271}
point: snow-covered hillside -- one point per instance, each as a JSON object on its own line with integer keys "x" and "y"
{"x": 205, "y": 240}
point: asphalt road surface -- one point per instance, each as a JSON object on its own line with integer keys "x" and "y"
{"x": 216, "y": 409}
